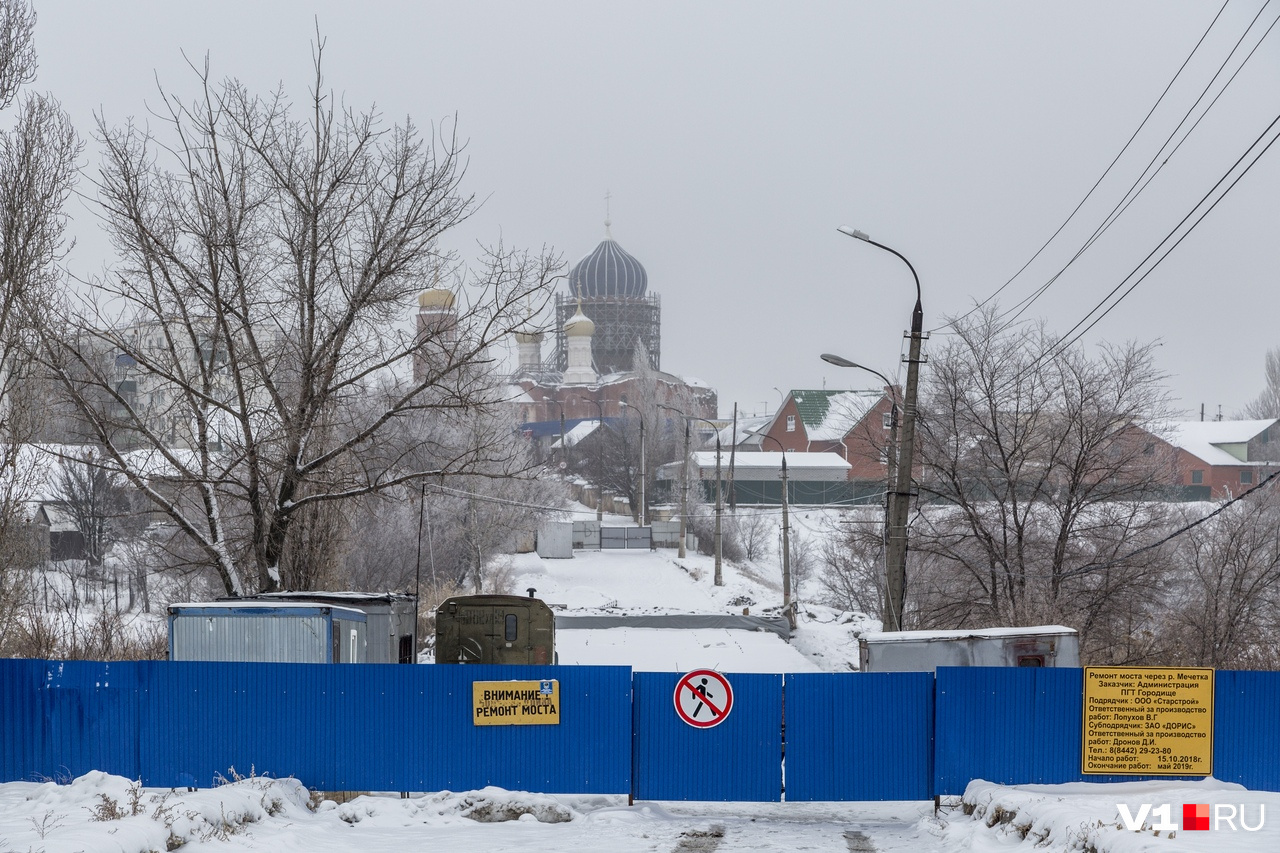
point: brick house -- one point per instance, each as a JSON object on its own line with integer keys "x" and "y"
{"x": 1214, "y": 460}
{"x": 854, "y": 424}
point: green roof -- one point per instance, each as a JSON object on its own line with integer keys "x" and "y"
{"x": 829, "y": 415}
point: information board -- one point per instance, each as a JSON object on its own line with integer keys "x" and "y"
{"x": 1152, "y": 721}
{"x": 515, "y": 703}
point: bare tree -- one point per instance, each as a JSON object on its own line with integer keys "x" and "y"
{"x": 96, "y": 501}
{"x": 37, "y": 170}
{"x": 1224, "y": 594}
{"x": 1267, "y": 404}
{"x": 1040, "y": 466}
{"x": 260, "y": 363}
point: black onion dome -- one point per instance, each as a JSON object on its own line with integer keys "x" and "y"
{"x": 608, "y": 272}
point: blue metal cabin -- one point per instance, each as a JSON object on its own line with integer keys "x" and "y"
{"x": 392, "y": 626}
{"x": 275, "y": 632}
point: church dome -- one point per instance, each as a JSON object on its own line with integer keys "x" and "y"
{"x": 608, "y": 272}
{"x": 579, "y": 325}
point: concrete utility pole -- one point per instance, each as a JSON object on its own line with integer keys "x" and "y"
{"x": 890, "y": 465}
{"x": 684, "y": 480}
{"x": 599, "y": 431}
{"x": 719, "y": 577}
{"x": 788, "y": 609}
{"x": 896, "y": 582}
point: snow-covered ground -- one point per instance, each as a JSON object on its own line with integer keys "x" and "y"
{"x": 98, "y": 813}
{"x": 1085, "y": 816}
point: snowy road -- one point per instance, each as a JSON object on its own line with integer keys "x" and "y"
{"x": 108, "y": 814}
{"x": 99, "y": 813}
{"x": 661, "y": 827}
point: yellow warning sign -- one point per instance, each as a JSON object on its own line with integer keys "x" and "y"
{"x": 515, "y": 703}
{"x": 1155, "y": 721}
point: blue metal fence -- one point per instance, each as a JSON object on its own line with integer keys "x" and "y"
{"x": 739, "y": 759}
{"x": 849, "y": 736}
{"x": 859, "y": 736}
{"x": 1024, "y": 726}
{"x": 370, "y": 727}
{"x": 1246, "y": 723}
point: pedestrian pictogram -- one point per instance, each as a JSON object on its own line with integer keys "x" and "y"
{"x": 703, "y": 698}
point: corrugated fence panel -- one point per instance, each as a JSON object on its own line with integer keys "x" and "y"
{"x": 738, "y": 760}
{"x": 92, "y": 710}
{"x": 384, "y": 727}
{"x": 859, "y": 736}
{"x": 1246, "y": 737}
{"x": 22, "y": 748}
{"x": 1012, "y": 726}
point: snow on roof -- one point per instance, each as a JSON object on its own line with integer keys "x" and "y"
{"x": 771, "y": 460}
{"x": 577, "y": 434}
{"x": 265, "y": 606}
{"x": 748, "y": 430}
{"x": 829, "y": 415}
{"x": 982, "y": 633}
{"x": 1202, "y": 439}
{"x": 516, "y": 394}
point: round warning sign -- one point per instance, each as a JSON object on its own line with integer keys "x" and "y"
{"x": 703, "y": 698}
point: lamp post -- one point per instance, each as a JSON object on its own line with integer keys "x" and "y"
{"x": 896, "y": 582}
{"x": 684, "y": 480}
{"x": 600, "y": 464}
{"x": 891, "y": 464}
{"x": 787, "y": 609}
{"x": 719, "y": 576}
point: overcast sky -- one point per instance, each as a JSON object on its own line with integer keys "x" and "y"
{"x": 735, "y": 137}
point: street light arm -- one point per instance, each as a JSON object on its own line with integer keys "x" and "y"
{"x": 860, "y": 235}
{"x": 841, "y": 361}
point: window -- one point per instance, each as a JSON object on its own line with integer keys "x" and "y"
{"x": 1149, "y": 449}
{"x": 511, "y": 628}
{"x": 1197, "y": 477}
{"x": 884, "y": 456}
{"x": 406, "y": 648}
{"x": 1266, "y": 435}
{"x": 1246, "y": 477}
{"x": 791, "y": 423}
{"x": 886, "y": 420}
{"x": 1030, "y": 660}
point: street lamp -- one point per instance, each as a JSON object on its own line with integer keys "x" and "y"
{"x": 719, "y": 577}
{"x": 891, "y": 463}
{"x": 684, "y": 480}
{"x": 896, "y": 582}
{"x": 787, "y": 609}
{"x": 599, "y": 463}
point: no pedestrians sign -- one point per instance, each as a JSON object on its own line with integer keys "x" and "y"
{"x": 703, "y": 698}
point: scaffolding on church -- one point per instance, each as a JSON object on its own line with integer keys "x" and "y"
{"x": 620, "y": 323}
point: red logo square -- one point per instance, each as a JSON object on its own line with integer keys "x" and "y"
{"x": 1195, "y": 816}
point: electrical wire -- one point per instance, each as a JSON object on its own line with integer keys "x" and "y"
{"x": 1067, "y": 339}
{"x": 1094, "y": 567}
{"x": 951, "y": 322}
{"x": 1139, "y": 184}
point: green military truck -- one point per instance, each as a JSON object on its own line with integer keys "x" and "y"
{"x": 495, "y": 629}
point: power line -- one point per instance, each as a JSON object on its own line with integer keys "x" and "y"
{"x": 1067, "y": 340}
{"x": 1096, "y": 183}
{"x": 1093, "y": 567}
{"x": 1139, "y": 185}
